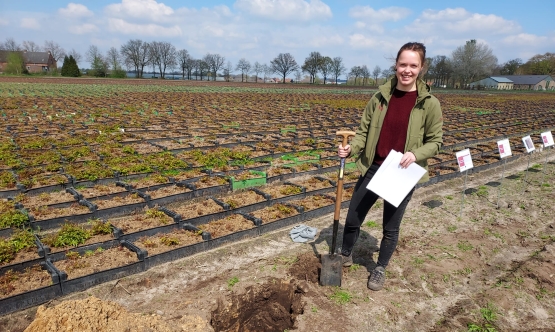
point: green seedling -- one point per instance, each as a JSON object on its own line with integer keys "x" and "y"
{"x": 231, "y": 282}
{"x": 340, "y": 296}
{"x": 465, "y": 246}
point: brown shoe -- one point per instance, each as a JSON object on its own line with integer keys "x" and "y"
{"x": 347, "y": 260}
{"x": 377, "y": 279}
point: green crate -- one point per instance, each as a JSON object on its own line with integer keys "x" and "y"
{"x": 351, "y": 165}
{"x": 290, "y": 129}
{"x": 254, "y": 182}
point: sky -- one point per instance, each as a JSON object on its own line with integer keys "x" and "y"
{"x": 361, "y": 32}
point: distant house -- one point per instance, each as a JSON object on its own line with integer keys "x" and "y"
{"x": 516, "y": 82}
{"x": 494, "y": 82}
{"x": 35, "y": 62}
{"x": 532, "y": 82}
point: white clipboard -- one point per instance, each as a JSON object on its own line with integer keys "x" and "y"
{"x": 393, "y": 183}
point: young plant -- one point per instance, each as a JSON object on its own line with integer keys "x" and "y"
{"x": 340, "y": 296}
{"x": 231, "y": 282}
{"x": 70, "y": 234}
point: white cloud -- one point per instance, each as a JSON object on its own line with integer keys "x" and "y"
{"x": 325, "y": 40}
{"x": 4, "y": 21}
{"x": 143, "y": 10}
{"x": 30, "y": 23}
{"x": 83, "y": 29}
{"x": 74, "y": 10}
{"x": 121, "y": 26}
{"x": 460, "y": 21}
{"x": 525, "y": 39}
{"x": 360, "y": 41}
{"x": 286, "y": 10}
{"x": 369, "y": 14}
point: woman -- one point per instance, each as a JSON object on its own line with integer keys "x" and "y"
{"x": 402, "y": 116}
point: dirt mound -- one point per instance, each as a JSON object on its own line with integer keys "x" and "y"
{"x": 270, "y": 307}
{"x": 306, "y": 267}
{"x": 95, "y": 315}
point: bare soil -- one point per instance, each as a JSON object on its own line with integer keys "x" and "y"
{"x": 480, "y": 260}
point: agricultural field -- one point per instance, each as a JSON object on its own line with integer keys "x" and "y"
{"x": 172, "y": 184}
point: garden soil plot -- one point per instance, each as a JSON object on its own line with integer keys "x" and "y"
{"x": 489, "y": 268}
{"x": 153, "y": 155}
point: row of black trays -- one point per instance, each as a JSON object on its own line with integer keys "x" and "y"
{"x": 62, "y": 285}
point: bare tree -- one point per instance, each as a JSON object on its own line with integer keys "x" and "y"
{"x": 10, "y": 45}
{"x": 326, "y": 67}
{"x": 440, "y": 69}
{"x": 201, "y": 68}
{"x": 56, "y": 50}
{"x": 135, "y": 54}
{"x": 113, "y": 58}
{"x": 388, "y": 72}
{"x": 298, "y": 75}
{"x": 312, "y": 65}
{"x": 473, "y": 60}
{"x": 98, "y": 64}
{"x": 163, "y": 55}
{"x": 185, "y": 64}
{"x": 268, "y": 70}
{"x": 337, "y": 67}
{"x": 31, "y": 46}
{"x": 257, "y": 68}
{"x": 355, "y": 72}
{"x": 365, "y": 73}
{"x": 227, "y": 71}
{"x": 285, "y": 64}
{"x": 376, "y": 73}
{"x": 245, "y": 67}
{"x": 216, "y": 64}
{"x": 76, "y": 55}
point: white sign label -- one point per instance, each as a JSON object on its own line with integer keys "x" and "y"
{"x": 547, "y": 139}
{"x": 464, "y": 159}
{"x": 528, "y": 144}
{"x": 504, "y": 148}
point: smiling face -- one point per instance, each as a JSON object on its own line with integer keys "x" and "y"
{"x": 408, "y": 67}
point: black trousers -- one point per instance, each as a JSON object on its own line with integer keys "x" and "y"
{"x": 361, "y": 202}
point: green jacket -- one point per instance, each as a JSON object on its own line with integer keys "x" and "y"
{"x": 424, "y": 134}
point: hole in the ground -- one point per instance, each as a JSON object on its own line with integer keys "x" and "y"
{"x": 273, "y": 306}
{"x": 433, "y": 204}
{"x": 513, "y": 177}
{"x": 493, "y": 184}
{"x": 306, "y": 267}
{"x": 470, "y": 191}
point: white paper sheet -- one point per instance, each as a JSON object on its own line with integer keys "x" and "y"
{"x": 393, "y": 183}
{"x": 547, "y": 139}
{"x": 528, "y": 144}
{"x": 464, "y": 159}
{"x": 504, "y": 148}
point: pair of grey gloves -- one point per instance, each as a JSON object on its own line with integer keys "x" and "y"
{"x": 303, "y": 233}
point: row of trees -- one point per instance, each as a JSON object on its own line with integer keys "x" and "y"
{"x": 467, "y": 63}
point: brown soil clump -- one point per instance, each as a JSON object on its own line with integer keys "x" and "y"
{"x": 94, "y": 315}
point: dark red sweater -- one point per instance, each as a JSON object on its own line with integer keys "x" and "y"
{"x": 393, "y": 135}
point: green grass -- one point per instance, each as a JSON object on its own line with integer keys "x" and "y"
{"x": 341, "y": 296}
{"x": 371, "y": 224}
{"x": 465, "y": 246}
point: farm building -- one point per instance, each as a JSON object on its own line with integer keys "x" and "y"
{"x": 493, "y": 82}
{"x": 35, "y": 62}
{"x": 532, "y": 82}
{"x": 516, "y": 82}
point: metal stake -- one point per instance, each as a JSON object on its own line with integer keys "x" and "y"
{"x": 526, "y": 174}
{"x": 501, "y": 182}
{"x": 463, "y": 192}
{"x": 544, "y": 169}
